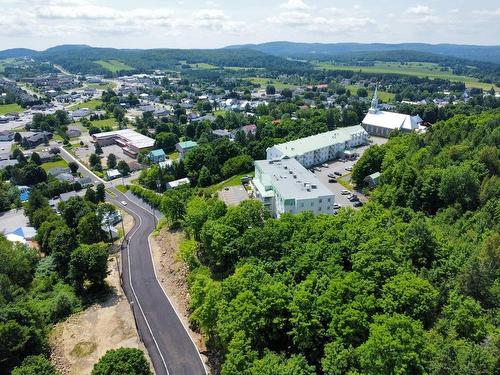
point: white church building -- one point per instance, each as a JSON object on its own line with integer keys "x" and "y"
{"x": 381, "y": 123}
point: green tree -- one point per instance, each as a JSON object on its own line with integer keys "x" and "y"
{"x": 89, "y": 263}
{"x": 369, "y": 163}
{"x": 90, "y": 195}
{"x": 89, "y": 229}
{"x": 100, "y": 193}
{"x": 410, "y": 295}
{"x": 397, "y": 345}
{"x": 459, "y": 184}
{"x": 111, "y": 161}
{"x": 35, "y": 158}
{"x": 98, "y": 149}
{"x": 166, "y": 141}
{"x": 94, "y": 161}
{"x": 35, "y": 365}
{"x": 205, "y": 178}
{"x": 122, "y": 361}
{"x": 270, "y": 90}
{"x": 73, "y": 166}
{"x": 123, "y": 168}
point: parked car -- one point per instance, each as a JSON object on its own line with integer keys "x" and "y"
{"x": 331, "y": 175}
{"x": 336, "y": 206}
{"x": 332, "y": 180}
{"x": 358, "y": 204}
{"x": 338, "y": 173}
{"x": 348, "y": 169}
{"x": 345, "y": 192}
{"x": 324, "y": 165}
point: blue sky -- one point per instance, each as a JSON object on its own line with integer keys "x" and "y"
{"x": 40, "y": 24}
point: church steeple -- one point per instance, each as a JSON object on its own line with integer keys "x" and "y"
{"x": 374, "y": 106}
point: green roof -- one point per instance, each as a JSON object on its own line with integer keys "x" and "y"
{"x": 158, "y": 152}
{"x": 188, "y": 144}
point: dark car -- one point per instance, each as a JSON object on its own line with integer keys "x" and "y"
{"x": 338, "y": 173}
{"x": 332, "y": 180}
{"x": 358, "y": 204}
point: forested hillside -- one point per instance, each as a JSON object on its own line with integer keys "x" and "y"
{"x": 410, "y": 284}
{"x": 82, "y": 59}
{"x": 292, "y": 49}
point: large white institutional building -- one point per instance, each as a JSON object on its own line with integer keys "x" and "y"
{"x": 283, "y": 182}
{"x": 285, "y": 186}
{"x": 381, "y": 123}
{"x": 320, "y": 148}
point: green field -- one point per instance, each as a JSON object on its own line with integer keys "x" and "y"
{"x": 102, "y": 86}
{"x": 203, "y": 66}
{"x": 52, "y": 164}
{"x": 263, "y": 82}
{"x": 114, "y": 65}
{"x": 91, "y": 104}
{"x": 412, "y": 69}
{"x": 384, "y": 96}
{"x": 111, "y": 122}
{"x": 6, "y": 108}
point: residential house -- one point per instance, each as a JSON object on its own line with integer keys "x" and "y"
{"x": 184, "y": 147}
{"x": 157, "y": 156}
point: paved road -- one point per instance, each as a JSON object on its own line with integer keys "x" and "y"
{"x": 170, "y": 347}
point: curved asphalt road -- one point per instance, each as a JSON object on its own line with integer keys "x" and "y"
{"x": 170, "y": 347}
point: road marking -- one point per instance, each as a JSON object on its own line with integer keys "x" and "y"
{"x": 135, "y": 295}
{"x": 161, "y": 286}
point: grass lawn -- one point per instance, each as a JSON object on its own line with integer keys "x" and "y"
{"x": 382, "y": 95}
{"x": 103, "y": 86}
{"x": 106, "y": 122}
{"x": 412, "y": 69}
{"x": 53, "y": 164}
{"x": 174, "y": 155}
{"x": 90, "y": 104}
{"x": 233, "y": 181}
{"x": 113, "y": 65}
{"x": 121, "y": 188}
{"x": 6, "y": 108}
{"x": 263, "y": 82}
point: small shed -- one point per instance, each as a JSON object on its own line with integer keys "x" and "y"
{"x": 372, "y": 180}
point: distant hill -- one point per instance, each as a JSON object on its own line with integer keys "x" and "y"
{"x": 83, "y": 58}
{"x": 325, "y": 50}
{"x": 16, "y": 52}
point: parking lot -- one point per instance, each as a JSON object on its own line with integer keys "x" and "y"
{"x": 83, "y": 153}
{"x": 340, "y": 167}
{"x": 233, "y": 195}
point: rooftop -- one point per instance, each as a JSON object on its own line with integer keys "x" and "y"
{"x": 188, "y": 144}
{"x": 314, "y": 142}
{"x": 291, "y": 179}
{"x": 392, "y": 120}
{"x": 129, "y": 136}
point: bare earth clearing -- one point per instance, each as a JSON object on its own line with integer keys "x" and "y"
{"x": 79, "y": 342}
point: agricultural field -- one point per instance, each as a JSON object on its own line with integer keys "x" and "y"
{"x": 419, "y": 69}
{"x": 114, "y": 65}
{"x": 101, "y": 86}
{"x": 203, "y": 66}
{"x": 6, "y": 108}
{"x": 90, "y": 104}
{"x": 263, "y": 82}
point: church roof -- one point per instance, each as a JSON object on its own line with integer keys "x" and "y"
{"x": 392, "y": 120}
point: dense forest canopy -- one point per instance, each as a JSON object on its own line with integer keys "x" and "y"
{"x": 407, "y": 284}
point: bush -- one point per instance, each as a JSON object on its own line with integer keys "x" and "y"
{"x": 122, "y": 361}
{"x": 150, "y": 197}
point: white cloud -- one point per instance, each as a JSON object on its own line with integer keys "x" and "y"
{"x": 295, "y": 5}
{"x": 419, "y": 10}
